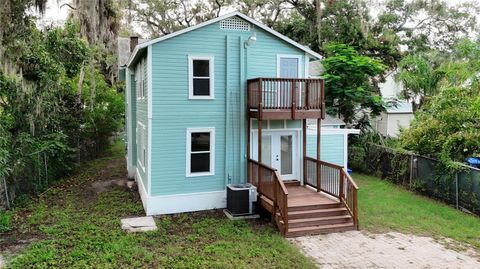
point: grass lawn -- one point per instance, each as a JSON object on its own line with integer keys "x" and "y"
{"x": 384, "y": 207}
{"x": 71, "y": 225}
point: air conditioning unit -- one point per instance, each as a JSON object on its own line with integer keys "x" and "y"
{"x": 241, "y": 198}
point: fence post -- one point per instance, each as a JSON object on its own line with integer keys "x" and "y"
{"x": 6, "y": 192}
{"x": 456, "y": 189}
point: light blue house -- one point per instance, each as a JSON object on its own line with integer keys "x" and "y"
{"x": 197, "y": 100}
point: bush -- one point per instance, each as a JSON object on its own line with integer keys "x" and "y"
{"x": 5, "y": 221}
{"x": 56, "y": 112}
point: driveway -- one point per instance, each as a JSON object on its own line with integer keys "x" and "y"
{"x": 391, "y": 250}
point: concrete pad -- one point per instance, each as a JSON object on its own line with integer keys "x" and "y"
{"x": 139, "y": 224}
{"x": 231, "y": 217}
{"x": 391, "y": 250}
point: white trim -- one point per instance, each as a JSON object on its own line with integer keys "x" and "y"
{"x": 130, "y": 128}
{"x": 326, "y": 130}
{"x": 141, "y": 142}
{"x": 170, "y": 204}
{"x": 345, "y": 150}
{"x": 140, "y": 81}
{"x": 236, "y": 13}
{"x": 149, "y": 117}
{"x": 211, "y": 77}
{"x": 143, "y": 192}
{"x": 297, "y": 148}
{"x": 299, "y": 63}
{"x": 306, "y": 69}
{"x": 188, "y": 144}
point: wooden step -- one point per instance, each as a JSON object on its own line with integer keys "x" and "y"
{"x": 296, "y": 223}
{"x": 321, "y": 229}
{"x": 290, "y": 183}
{"x": 317, "y": 213}
{"x": 314, "y": 207}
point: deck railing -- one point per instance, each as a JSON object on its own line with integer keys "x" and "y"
{"x": 270, "y": 184}
{"x": 334, "y": 180}
{"x": 285, "y": 94}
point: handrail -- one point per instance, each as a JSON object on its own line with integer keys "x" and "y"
{"x": 294, "y": 94}
{"x": 270, "y": 185}
{"x": 262, "y": 165}
{"x": 325, "y": 163}
{"x": 336, "y": 182}
{"x": 350, "y": 179}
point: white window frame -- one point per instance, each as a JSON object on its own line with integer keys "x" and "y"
{"x": 140, "y": 80}
{"x": 188, "y": 144}
{"x": 211, "y": 76}
{"x": 295, "y": 56}
{"x": 142, "y": 145}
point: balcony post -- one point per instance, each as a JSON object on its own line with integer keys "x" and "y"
{"x": 259, "y": 150}
{"x": 307, "y": 94}
{"x": 318, "y": 155}
{"x": 259, "y": 95}
{"x": 294, "y": 98}
{"x": 304, "y": 138}
{"x": 322, "y": 96}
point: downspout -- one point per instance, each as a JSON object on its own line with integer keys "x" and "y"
{"x": 243, "y": 64}
{"x": 227, "y": 113}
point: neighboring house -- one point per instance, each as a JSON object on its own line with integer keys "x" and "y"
{"x": 199, "y": 99}
{"x": 391, "y": 121}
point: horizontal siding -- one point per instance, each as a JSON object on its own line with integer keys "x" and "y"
{"x": 331, "y": 148}
{"x": 173, "y": 113}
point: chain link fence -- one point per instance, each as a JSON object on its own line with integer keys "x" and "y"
{"x": 460, "y": 189}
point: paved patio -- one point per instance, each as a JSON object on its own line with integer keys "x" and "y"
{"x": 391, "y": 250}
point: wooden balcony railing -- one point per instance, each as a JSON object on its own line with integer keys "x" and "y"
{"x": 270, "y": 184}
{"x": 286, "y": 98}
{"x": 335, "y": 181}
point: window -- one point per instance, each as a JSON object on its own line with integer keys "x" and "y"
{"x": 141, "y": 145}
{"x": 141, "y": 81}
{"x": 200, "y": 152}
{"x": 201, "y": 84}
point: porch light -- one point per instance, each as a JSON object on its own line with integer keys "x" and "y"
{"x": 251, "y": 39}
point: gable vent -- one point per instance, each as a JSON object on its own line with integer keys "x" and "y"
{"x": 234, "y": 23}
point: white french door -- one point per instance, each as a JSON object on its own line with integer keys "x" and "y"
{"x": 279, "y": 150}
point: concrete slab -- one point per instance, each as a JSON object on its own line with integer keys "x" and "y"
{"x": 139, "y": 224}
{"x": 231, "y": 217}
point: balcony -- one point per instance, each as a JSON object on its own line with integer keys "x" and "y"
{"x": 285, "y": 98}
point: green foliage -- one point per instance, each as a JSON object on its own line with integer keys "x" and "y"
{"x": 448, "y": 127}
{"x": 385, "y": 207}
{"x": 5, "y": 221}
{"x": 423, "y": 25}
{"x": 83, "y": 231}
{"x": 343, "y": 21}
{"x": 58, "y": 110}
{"x": 420, "y": 76}
{"x": 348, "y": 82}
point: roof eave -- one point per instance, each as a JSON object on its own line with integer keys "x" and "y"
{"x": 142, "y": 46}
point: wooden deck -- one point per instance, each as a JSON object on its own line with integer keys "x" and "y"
{"x": 285, "y": 98}
{"x": 311, "y": 212}
{"x": 299, "y": 196}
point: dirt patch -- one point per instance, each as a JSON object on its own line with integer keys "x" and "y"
{"x": 391, "y": 250}
{"x": 104, "y": 185}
